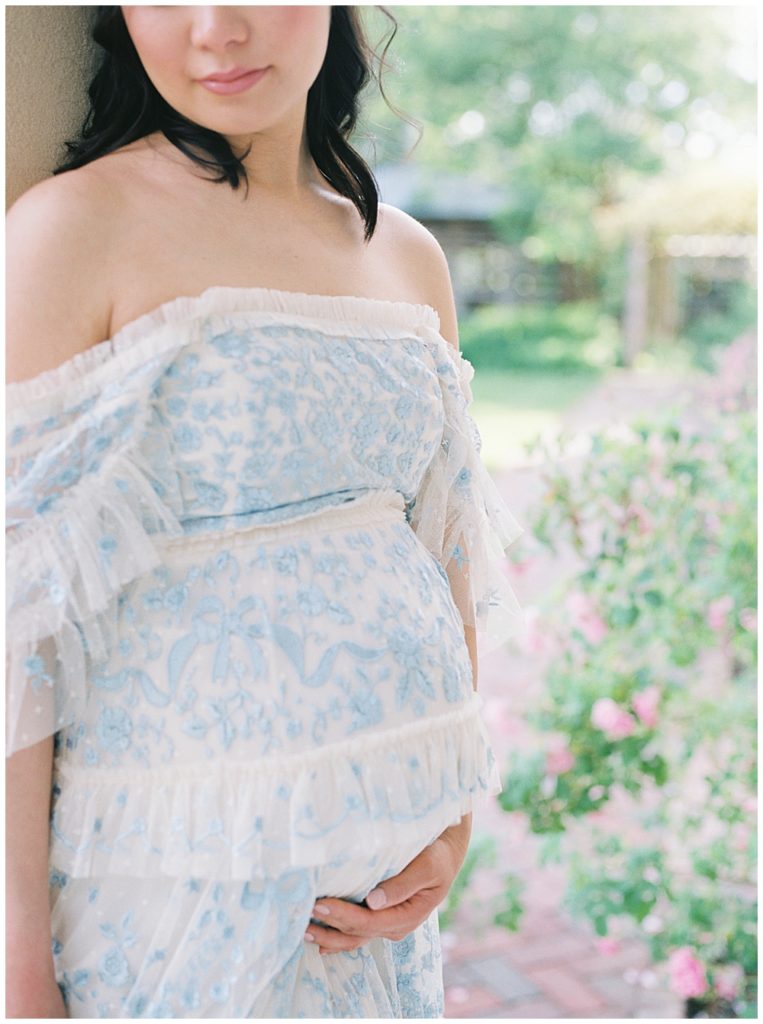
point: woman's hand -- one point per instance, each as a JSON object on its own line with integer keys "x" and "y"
{"x": 399, "y": 904}
{"x": 30, "y": 983}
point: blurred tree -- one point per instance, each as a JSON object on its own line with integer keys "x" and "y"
{"x": 564, "y": 106}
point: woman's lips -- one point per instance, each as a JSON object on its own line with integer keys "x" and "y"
{"x": 240, "y": 84}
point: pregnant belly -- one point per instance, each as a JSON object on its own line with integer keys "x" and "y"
{"x": 284, "y": 695}
{"x": 279, "y": 640}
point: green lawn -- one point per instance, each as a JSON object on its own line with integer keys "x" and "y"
{"x": 512, "y": 406}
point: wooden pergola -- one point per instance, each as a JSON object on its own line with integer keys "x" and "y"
{"x": 700, "y": 220}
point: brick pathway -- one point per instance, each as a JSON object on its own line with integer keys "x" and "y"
{"x": 552, "y": 968}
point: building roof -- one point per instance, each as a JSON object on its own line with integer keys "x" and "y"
{"x": 710, "y": 197}
{"x": 432, "y": 195}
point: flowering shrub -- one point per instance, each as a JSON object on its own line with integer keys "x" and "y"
{"x": 650, "y": 689}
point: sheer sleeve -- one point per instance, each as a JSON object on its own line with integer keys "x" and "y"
{"x": 460, "y": 516}
{"x": 87, "y": 485}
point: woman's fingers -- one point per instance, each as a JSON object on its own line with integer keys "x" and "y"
{"x": 393, "y": 923}
{"x": 329, "y": 940}
{"x": 395, "y": 908}
{"x": 350, "y": 930}
{"x": 428, "y": 870}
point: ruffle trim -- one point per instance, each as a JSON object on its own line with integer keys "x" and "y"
{"x": 239, "y": 820}
{"x": 460, "y": 516}
{"x": 138, "y": 340}
{"x": 64, "y": 572}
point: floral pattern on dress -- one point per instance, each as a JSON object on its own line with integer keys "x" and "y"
{"x": 232, "y": 604}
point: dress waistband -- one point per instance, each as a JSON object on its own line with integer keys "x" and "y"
{"x": 375, "y": 506}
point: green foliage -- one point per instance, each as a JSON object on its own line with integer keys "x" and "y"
{"x": 572, "y": 336}
{"x": 652, "y": 682}
{"x": 572, "y": 102}
{"x": 613, "y": 281}
{"x": 733, "y": 310}
{"x": 632, "y": 885}
{"x": 481, "y": 853}
{"x": 638, "y": 884}
{"x": 510, "y": 914}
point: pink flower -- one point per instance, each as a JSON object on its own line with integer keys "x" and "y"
{"x": 727, "y": 980}
{"x": 623, "y": 727}
{"x": 586, "y": 618}
{"x": 645, "y": 704}
{"x": 604, "y": 713}
{"x": 687, "y": 973}
{"x": 559, "y": 760}
{"x": 749, "y": 619}
{"x": 717, "y": 612}
{"x": 613, "y": 720}
{"x": 607, "y": 946}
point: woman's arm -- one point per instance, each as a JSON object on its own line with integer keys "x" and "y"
{"x": 470, "y": 635}
{"x": 57, "y": 304}
{"x": 425, "y": 267}
{"x": 30, "y": 984}
{"x": 58, "y": 297}
{"x": 433, "y": 273}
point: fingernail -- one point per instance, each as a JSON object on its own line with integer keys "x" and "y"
{"x": 322, "y": 909}
{"x": 376, "y": 899}
{"x": 309, "y": 937}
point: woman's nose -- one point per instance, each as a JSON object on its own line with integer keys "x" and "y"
{"x": 216, "y": 26}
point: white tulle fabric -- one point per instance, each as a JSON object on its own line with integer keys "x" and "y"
{"x": 222, "y": 844}
{"x": 460, "y": 515}
{"x": 283, "y": 812}
{"x": 62, "y": 583}
{"x": 88, "y": 486}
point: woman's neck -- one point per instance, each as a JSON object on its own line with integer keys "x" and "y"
{"x": 279, "y": 161}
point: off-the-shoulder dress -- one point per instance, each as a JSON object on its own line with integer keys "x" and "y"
{"x": 244, "y": 536}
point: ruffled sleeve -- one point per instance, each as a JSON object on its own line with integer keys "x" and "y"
{"x": 459, "y": 514}
{"x": 88, "y": 482}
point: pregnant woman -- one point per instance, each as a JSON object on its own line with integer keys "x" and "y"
{"x": 250, "y": 544}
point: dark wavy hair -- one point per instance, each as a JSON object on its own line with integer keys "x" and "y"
{"x": 125, "y": 106}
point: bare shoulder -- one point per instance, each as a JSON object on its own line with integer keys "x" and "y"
{"x": 423, "y": 262}
{"x": 77, "y": 200}
{"x": 57, "y": 270}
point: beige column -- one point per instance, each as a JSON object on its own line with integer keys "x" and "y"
{"x": 49, "y": 60}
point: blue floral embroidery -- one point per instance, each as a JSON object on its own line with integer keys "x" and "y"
{"x": 114, "y": 728}
{"x": 35, "y": 669}
{"x": 231, "y": 648}
{"x": 113, "y": 968}
{"x": 459, "y": 556}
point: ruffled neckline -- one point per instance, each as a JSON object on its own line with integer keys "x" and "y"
{"x": 385, "y": 314}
